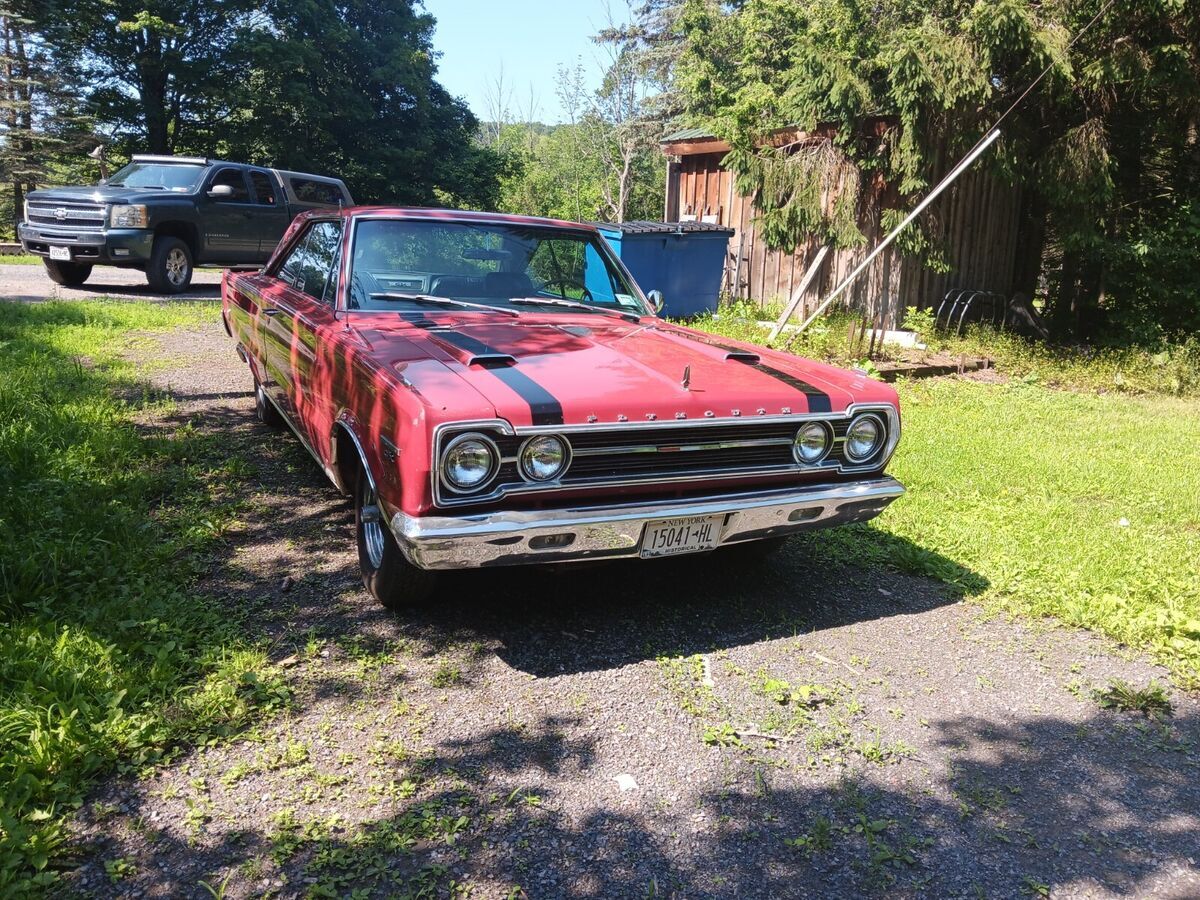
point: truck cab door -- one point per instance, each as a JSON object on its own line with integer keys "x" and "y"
{"x": 271, "y": 214}
{"x": 227, "y": 218}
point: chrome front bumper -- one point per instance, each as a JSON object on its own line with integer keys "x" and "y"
{"x": 610, "y": 532}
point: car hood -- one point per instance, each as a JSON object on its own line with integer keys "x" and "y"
{"x": 100, "y": 193}
{"x": 577, "y": 370}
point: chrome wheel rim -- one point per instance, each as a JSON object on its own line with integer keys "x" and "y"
{"x": 372, "y": 527}
{"x": 177, "y": 265}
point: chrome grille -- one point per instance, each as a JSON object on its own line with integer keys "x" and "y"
{"x": 78, "y": 216}
{"x": 669, "y": 451}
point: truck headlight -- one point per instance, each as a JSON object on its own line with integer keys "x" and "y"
{"x": 129, "y": 217}
{"x": 469, "y": 462}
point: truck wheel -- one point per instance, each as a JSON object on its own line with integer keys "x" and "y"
{"x": 65, "y": 273}
{"x": 170, "y": 267}
{"x": 265, "y": 410}
{"x": 388, "y": 576}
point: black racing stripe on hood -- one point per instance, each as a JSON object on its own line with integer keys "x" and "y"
{"x": 818, "y": 400}
{"x": 544, "y": 408}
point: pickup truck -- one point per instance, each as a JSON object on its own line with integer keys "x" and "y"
{"x": 167, "y": 214}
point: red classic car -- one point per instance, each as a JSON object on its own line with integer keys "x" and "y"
{"x": 496, "y": 389}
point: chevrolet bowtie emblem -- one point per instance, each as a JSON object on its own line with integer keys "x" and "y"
{"x": 60, "y": 213}
{"x": 687, "y": 377}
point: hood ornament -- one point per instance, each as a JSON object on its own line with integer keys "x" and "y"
{"x": 687, "y": 377}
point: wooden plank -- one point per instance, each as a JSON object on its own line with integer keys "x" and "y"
{"x": 797, "y": 295}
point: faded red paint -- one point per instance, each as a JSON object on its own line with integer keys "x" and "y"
{"x": 385, "y": 377}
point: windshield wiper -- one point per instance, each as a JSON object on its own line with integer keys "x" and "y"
{"x": 431, "y": 300}
{"x": 571, "y": 304}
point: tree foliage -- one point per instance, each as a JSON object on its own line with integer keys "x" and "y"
{"x": 1106, "y": 145}
{"x": 343, "y": 87}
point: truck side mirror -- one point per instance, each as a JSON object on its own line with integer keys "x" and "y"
{"x": 656, "y": 300}
{"x": 220, "y": 192}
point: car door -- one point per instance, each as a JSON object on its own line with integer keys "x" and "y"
{"x": 227, "y": 221}
{"x": 271, "y": 215}
{"x": 301, "y": 314}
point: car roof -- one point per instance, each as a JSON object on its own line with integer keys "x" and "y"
{"x": 458, "y": 215}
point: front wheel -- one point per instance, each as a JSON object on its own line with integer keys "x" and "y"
{"x": 387, "y": 575}
{"x": 170, "y": 268}
{"x": 67, "y": 273}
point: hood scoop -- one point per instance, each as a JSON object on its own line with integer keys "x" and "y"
{"x": 491, "y": 360}
{"x": 742, "y": 356}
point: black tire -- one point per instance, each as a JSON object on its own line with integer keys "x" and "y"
{"x": 265, "y": 410}
{"x": 67, "y": 273}
{"x": 387, "y": 575}
{"x": 170, "y": 268}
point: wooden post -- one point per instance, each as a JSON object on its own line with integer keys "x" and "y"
{"x": 799, "y": 293}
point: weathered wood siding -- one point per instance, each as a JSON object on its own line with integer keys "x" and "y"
{"x": 975, "y": 221}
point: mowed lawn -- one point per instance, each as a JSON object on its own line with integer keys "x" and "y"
{"x": 1078, "y": 506}
{"x": 1044, "y": 502}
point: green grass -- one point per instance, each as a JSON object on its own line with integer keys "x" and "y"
{"x": 1051, "y": 503}
{"x": 1172, "y": 369}
{"x": 20, "y": 259}
{"x": 107, "y": 657}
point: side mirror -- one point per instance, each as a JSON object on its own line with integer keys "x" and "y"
{"x": 220, "y": 192}
{"x": 656, "y": 300}
{"x": 103, "y": 181}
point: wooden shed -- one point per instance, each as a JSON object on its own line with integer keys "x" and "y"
{"x": 976, "y": 221}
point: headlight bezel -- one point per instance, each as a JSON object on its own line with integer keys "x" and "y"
{"x": 877, "y": 446}
{"x": 493, "y": 467}
{"x": 129, "y": 215}
{"x": 523, "y": 468}
{"x": 826, "y": 447}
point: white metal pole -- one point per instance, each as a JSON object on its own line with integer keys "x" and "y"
{"x": 930, "y": 197}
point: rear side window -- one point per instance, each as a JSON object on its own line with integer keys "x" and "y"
{"x": 236, "y": 180}
{"x": 309, "y": 190}
{"x": 264, "y": 191}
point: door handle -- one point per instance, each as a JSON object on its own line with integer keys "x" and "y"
{"x": 270, "y": 311}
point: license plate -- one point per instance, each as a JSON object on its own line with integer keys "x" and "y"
{"x": 62, "y": 253}
{"x": 689, "y": 534}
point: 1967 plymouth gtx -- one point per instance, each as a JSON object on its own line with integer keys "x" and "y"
{"x": 495, "y": 390}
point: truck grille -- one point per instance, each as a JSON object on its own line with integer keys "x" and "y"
{"x": 77, "y": 216}
{"x": 602, "y": 456}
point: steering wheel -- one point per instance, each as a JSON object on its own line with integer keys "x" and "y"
{"x": 564, "y": 283}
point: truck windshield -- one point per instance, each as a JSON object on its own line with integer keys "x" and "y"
{"x": 508, "y": 266}
{"x": 161, "y": 176}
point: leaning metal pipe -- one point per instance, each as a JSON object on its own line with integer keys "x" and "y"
{"x": 953, "y": 174}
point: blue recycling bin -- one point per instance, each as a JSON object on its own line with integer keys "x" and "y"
{"x": 684, "y": 260}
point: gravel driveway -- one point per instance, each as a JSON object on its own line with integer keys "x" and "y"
{"x": 31, "y": 284}
{"x": 599, "y": 732}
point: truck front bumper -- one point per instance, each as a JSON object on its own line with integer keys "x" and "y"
{"x": 611, "y": 532}
{"x": 112, "y": 247}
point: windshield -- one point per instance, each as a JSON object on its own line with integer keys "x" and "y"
{"x": 162, "y": 176}
{"x": 488, "y": 264}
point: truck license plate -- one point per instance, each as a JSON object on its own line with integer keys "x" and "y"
{"x": 689, "y": 534}
{"x": 61, "y": 253}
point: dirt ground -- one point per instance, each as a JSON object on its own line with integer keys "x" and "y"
{"x": 30, "y": 284}
{"x": 597, "y": 732}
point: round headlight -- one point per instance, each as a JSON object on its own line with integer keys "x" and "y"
{"x": 811, "y": 443}
{"x": 544, "y": 458}
{"x": 469, "y": 462}
{"x": 864, "y": 438}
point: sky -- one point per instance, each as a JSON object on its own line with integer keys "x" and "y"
{"x": 527, "y": 39}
